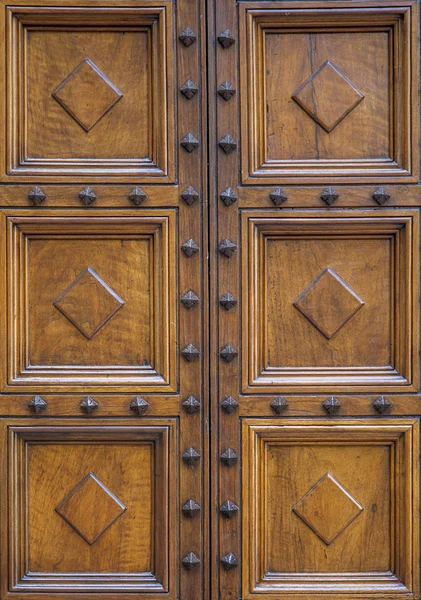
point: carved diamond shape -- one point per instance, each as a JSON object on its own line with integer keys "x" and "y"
{"x": 87, "y": 94}
{"x": 328, "y": 509}
{"x": 328, "y": 303}
{"x": 88, "y": 303}
{"x": 90, "y": 508}
{"x": 327, "y": 96}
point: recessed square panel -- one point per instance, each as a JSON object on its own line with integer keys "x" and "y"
{"x": 94, "y": 302}
{"x": 95, "y": 97}
{"x": 318, "y": 106}
{"x": 330, "y": 510}
{"x": 330, "y": 301}
{"x": 93, "y": 509}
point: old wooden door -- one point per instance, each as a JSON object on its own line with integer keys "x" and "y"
{"x": 103, "y": 386}
{"x": 315, "y": 300}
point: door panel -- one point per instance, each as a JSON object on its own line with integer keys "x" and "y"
{"x": 89, "y": 506}
{"x": 330, "y": 509}
{"x": 315, "y": 299}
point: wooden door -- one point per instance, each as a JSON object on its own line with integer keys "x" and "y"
{"x": 315, "y": 300}
{"x": 103, "y": 340}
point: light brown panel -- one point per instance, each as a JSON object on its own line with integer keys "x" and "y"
{"x": 330, "y": 301}
{"x": 92, "y": 301}
{"x": 90, "y": 94}
{"x": 328, "y": 94}
{"x": 88, "y": 507}
{"x": 330, "y": 510}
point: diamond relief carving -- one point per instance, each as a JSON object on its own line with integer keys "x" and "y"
{"x": 87, "y": 94}
{"x": 328, "y": 96}
{"x": 328, "y": 303}
{"x": 328, "y": 509}
{"x": 88, "y": 303}
{"x": 90, "y": 508}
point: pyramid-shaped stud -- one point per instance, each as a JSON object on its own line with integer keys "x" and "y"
{"x": 189, "y": 247}
{"x": 190, "y": 508}
{"x": 279, "y": 404}
{"x": 226, "y": 38}
{"x": 137, "y": 196}
{"x": 87, "y": 196}
{"x": 190, "y": 195}
{"x": 331, "y": 405}
{"x": 381, "y": 196}
{"x": 190, "y": 561}
{"x": 229, "y": 561}
{"x": 190, "y": 456}
{"x": 88, "y": 404}
{"x": 226, "y": 90}
{"x": 191, "y": 405}
{"x": 228, "y": 197}
{"x": 139, "y": 406}
{"x": 329, "y": 195}
{"x": 227, "y": 144}
{"x": 381, "y": 404}
{"x": 227, "y": 301}
{"x": 229, "y": 509}
{"x": 229, "y": 457}
{"x": 189, "y": 299}
{"x": 227, "y": 248}
{"x": 37, "y": 404}
{"x": 189, "y": 89}
{"x": 228, "y": 353}
{"x": 190, "y": 352}
{"x": 36, "y": 196}
{"x": 278, "y": 196}
{"x": 187, "y": 37}
{"x": 189, "y": 143}
{"x": 229, "y": 404}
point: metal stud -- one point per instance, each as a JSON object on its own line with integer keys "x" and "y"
{"x": 191, "y": 405}
{"x": 190, "y": 456}
{"x": 189, "y": 299}
{"x": 190, "y": 195}
{"x": 381, "y": 404}
{"x": 88, "y": 404}
{"x": 329, "y": 195}
{"x": 190, "y": 508}
{"x": 228, "y": 353}
{"x": 279, "y": 404}
{"x": 190, "y": 352}
{"x": 189, "y": 143}
{"x": 137, "y": 196}
{"x": 229, "y": 561}
{"x": 331, "y": 405}
{"x": 139, "y": 405}
{"x": 226, "y": 38}
{"x": 227, "y": 248}
{"x": 228, "y": 509}
{"x": 87, "y": 196}
{"x": 229, "y": 457}
{"x": 189, "y": 89}
{"x": 381, "y": 196}
{"x": 36, "y": 195}
{"x": 226, "y": 90}
{"x": 227, "y": 144}
{"x": 228, "y": 197}
{"x": 190, "y": 561}
{"x": 229, "y": 404}
{"x": 37, "y": 404}
{"x": 227, "y": 301}
{"x": 190, "y": 247}
{"x": 187, "y": 37}
{"x": 278, "y": 196}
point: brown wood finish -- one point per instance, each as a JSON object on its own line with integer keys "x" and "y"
{"x": 315, "y": 299}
